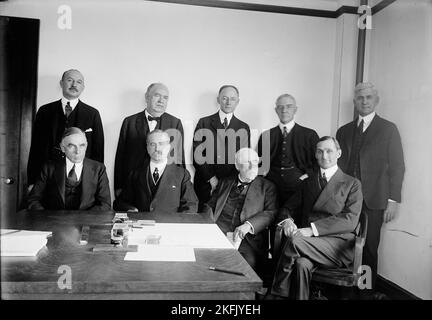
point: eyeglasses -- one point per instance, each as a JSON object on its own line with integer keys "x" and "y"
{"x": 159, "y": 144}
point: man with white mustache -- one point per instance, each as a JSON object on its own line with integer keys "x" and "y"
{"x": 246, "y": 205}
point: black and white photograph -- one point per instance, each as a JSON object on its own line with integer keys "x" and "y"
{"x": 222, "y": 156}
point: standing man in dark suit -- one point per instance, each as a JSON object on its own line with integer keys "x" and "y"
{"x": 216, "y": 140}
{"x": 131, "y": 153}
{"x": 246, "y": 205}
{"x": 287, "y": 150}
{"x": 372, "y": 152}
{"x": 73, "y": 183}
{"x": 52, "y": 119}
{"x": 158, "y": 185}
{"x": 330, "y": 203}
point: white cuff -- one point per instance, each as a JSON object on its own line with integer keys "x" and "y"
{"x": 390, "y": 200}
{"x": 314, "y": 230}
{"x": 283, "y": 221}
{"x": 252, "y": 228}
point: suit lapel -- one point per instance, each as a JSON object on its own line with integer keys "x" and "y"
{"x": 142, "y": 127}
{"x": 60, "y": 176}
{"x": 220, "y": 202}
{"x": 215, "y": 122}
{"x": 86, "y": 175}
{"x": 371, "y": 131}
{"x": 251, "y": 195}
{"x": 329, "y": 190}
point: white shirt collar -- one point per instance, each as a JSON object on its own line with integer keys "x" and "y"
{"x": 73, "y": 103}
{"x": 366, "y": 120}
{"x": 288, "y": 126}
{"x": 78, "y": 167}
{"x": 223, "y": 115}
{"x": 161, "y": 167}
{"x": 329, "y": 172}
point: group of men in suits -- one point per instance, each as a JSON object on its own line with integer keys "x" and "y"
{"x": 318, "y": 214}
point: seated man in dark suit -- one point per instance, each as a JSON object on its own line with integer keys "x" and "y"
{"x": 75, "y": 183}
{"x": 160, "y": 185}
{"x": 330, "y": 203}
{"x": 246, "y": 205}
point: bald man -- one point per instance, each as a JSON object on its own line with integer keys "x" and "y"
{"x": 52, "y": 119}
{"x": 131, "y": 146}
{"x": 290, "y": 148}
{"x": 73, "y": 183}
{"x": 246, "y": 205}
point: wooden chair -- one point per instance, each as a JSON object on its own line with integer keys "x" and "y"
{"x": 343, "y": 277}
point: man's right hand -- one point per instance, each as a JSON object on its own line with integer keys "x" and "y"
{"x": 30, "y": 187}
{"x": 117, "y": 192}
{"x": 289, "y": 227}
{"x": 213, "y": 183}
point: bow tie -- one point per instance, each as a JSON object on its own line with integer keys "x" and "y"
{"x": 150, "y": 118}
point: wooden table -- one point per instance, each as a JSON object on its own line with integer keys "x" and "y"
{"x": 105, "y": 275}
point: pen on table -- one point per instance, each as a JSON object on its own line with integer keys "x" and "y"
{"x": 226, "y": 271}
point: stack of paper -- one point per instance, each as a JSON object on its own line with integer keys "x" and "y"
{"x": 22, "y": 243}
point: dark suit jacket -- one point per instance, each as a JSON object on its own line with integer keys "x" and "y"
{"x": 174, "y": 194}
{"x": 335, "y": 210}
{"x": 304, "y": 142}
{"x": 48, "y": 129}
{"x": 215, "y": 151}
{"x": 49, "y": 190}
{"x": 259, "y": 207}
{"x": 132, "y": 147}
{"x": 382, "y": 165}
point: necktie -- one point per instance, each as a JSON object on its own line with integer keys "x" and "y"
{"x": 323, "y": 181}
{"x": 156, "y": 175}
{"x": 68, "y": 109}
{"x": 360, "y": 127}
{"x": 150, "y": 118}
{"x": 72, "y": 175}
{"x": 285, "y": 132}
{"x": 225, "y": 123}
{"x": 242, "y": 185}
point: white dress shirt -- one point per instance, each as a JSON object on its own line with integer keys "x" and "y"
{"x": 223, "y": 115}
{"x": 78, "y": 168}
{"x": 72, "y": 103}
{"x": 288, "y": 126}
{"x": 152, "y": 124}
{"x": 366, "y": 120}
{"x": 160, "y": 166}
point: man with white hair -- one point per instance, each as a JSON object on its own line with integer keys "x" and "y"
{"x": 372, "y": 152}
{"x": 246, "y": 205}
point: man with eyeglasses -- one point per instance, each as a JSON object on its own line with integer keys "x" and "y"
{"x": 73, "y": 183}
{"x": 159, "y": 185}
{"x": 135, "y": 129}
{"x": 216, "y": 140}
{"x": 289, "y": 147}
{"x": 245, "y": 204}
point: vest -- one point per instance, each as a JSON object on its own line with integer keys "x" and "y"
{"x": 229, "y": 218}
{"x": 73, "y": 194}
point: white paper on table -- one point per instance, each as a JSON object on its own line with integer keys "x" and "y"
{"x": 235, "y": 243}
{"x": 22, "y": 243}
{"x": 195, "y": 235}
{"x": 161, "y": 253}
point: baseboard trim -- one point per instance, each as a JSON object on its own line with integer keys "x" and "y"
{"x": 393, "y": 291}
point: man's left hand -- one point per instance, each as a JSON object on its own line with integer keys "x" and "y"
{"x": 391, "y": 211}
{"x": 242, "y": 231}
{"x": 305, "y": 232}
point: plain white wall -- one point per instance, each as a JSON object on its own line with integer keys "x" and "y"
{"x": 123, "y": 46}
{"x": 401, "y": 68}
